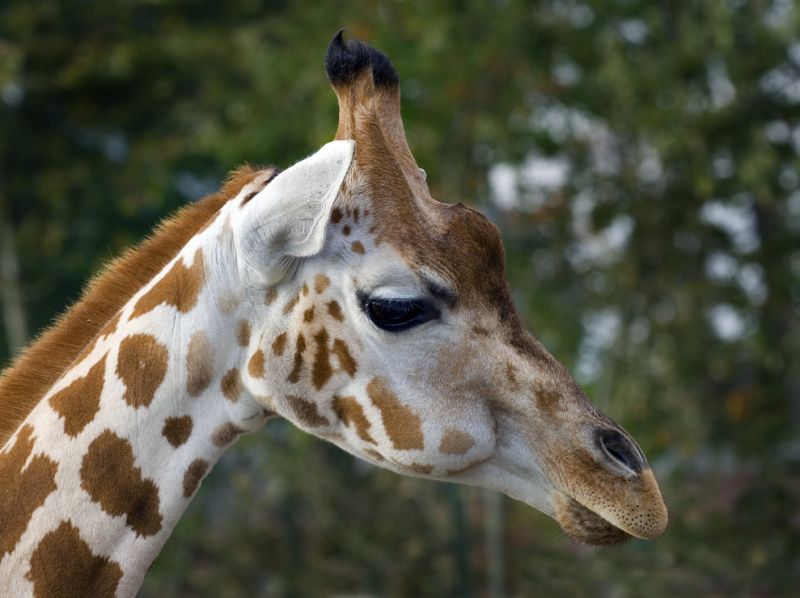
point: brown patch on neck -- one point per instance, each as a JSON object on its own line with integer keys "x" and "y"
{"x": 243, "y": 333}
{"x": 180, "y": 288}
{"x": 231, "y": 385}
{"x": 199, "y": 364}
{"x": 402, "y": 425}
{"x": 225, "y": 434}
{"x": 110, "y": 476}
{"x": 24, "y": 384}
{"x": 64, "y": 565}
{"x": 22, "y": 491}
{"x": 194, "y": 475}
{"x": 142, "y": 365}
{"x": 79, "y": 402}
{"x": 177, "y": 430}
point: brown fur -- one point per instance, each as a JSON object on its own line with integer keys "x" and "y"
{"x": 335, "y": 310}
{"x": 194, "y": 475}
{"x": 256, "y": 364}
{"x": 79, "y": 402}
{"x": 321, "y": 370}
{"x": 402, "y": 425}
{"x": 455, "y": 442}
{"x": 110, "y": 476}
{"x": 243, "y": 333}
{"x": 45, "y": 360}
{"x": 63, "y": 565}
{"x": 141, "y": 365}
{"x": 307, "y": 412}
{"x": 180, "y": 287}
{"x": 22, "y": 491}
{"x": 279, "y": 344}
{"x": 321, "y": 282}
{"x": 346, "y": 361}
{"x": 199, "y": 364}
{"x": 294, "y": 375}
{"x": 231, "y": 385}
{"x": 225, "y": 434}
{"x": 349, "y": 411}
{"x": 177, "y": 430}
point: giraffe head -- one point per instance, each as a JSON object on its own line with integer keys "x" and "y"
{"x": 388, "y": 328}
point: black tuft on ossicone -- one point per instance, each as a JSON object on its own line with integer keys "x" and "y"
{"x": 345, "y": 60}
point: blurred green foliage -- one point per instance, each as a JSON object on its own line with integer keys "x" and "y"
{"x": 641, "y": 159}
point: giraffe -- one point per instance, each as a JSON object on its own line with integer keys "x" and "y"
{"x": 337, "y": 294}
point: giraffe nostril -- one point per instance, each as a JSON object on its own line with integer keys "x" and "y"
{"x": 620, "y": 449}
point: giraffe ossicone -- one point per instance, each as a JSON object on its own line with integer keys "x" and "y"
{"x": 337, "y": 294}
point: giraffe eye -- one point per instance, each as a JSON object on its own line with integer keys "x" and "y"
{"x": 396, "y": 315}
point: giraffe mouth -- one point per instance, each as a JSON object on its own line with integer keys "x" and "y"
{"x": 584, "y": 525}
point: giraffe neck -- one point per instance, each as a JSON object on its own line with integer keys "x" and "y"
{"x": 99, "y": 473}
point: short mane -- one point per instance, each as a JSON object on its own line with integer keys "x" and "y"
{"x": 25, "y": 382}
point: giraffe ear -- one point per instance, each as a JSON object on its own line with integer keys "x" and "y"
{"x": 287, "y": 220}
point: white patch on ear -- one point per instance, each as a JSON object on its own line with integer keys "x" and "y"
{"x": 288, "y": 218}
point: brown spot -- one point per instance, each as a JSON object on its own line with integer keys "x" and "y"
{"x": 199, "y": 364}
{"x": 308, "y": 315}
{"x": 321, "y": 370}
{"x": 321, "y": 283}
{"x": 270, "y": 296}
{"x": 358, "y": 247}
{"x": 279, "y": 344}
{"x": 228, "y": 304}
{"x": 110, "y": 476}
{"x": 307, "y": 412}
{"x": 225, "y": 434}
{"x": 349, "y": 411}
{"x": 177, "y": 430}
{"x": 374, "y": 454}
{"x": 402, "y": 425}
{"x": 64, "y": 565}
{"x": 141, "y": 365}
{"x": 548, "y": 400}
{"x": 356, "y": 215}
{"x": 480, "y": 331}
{"x": 231, "y": 385}
{"x": 249, "y": 196}
{"x": 346, "y": 230}
{"x": 193, "y": 476}
{"x": 79, "y": 402}
{"x": 366, "y": 213}
{"x": 456, "y": 442}
{"x": 419, "y": 468}
{"x": 335, "y": 310}
{"x": 336, "y": 215}
{"x": 346, "y": 361}
{"x": 22, "y": 491}
{"x": 294, "y": 375}
{"x": 180, "y": 287}
{"x": 305, "y": 290}
{"x": 243, "y": 333}
{"x": 256, "y": 364}
{"x": 290, "y": 305}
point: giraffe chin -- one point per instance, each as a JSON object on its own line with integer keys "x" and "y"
{"x": 584, "y": 525}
